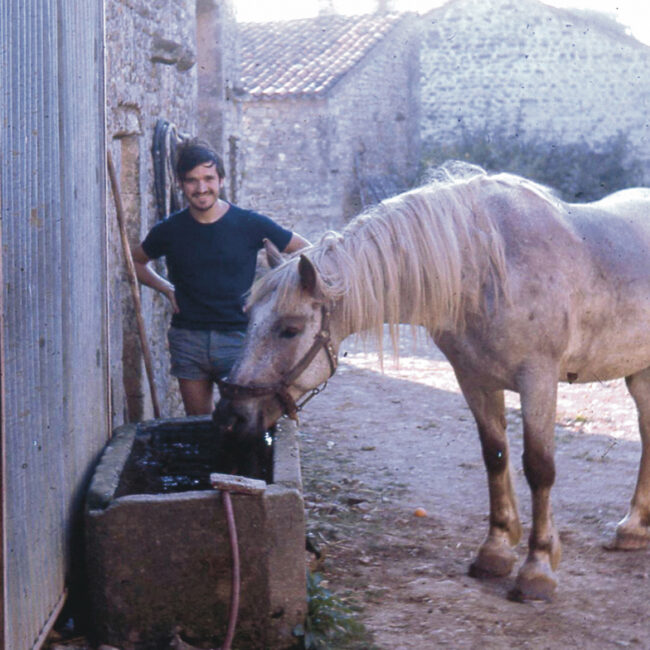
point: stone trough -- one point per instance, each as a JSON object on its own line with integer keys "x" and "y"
{"x": 158, "y": 553}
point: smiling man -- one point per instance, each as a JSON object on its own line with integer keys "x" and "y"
{"x": 211, "y": 252}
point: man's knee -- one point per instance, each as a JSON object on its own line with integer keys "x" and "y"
{"x": 197, "y": 396}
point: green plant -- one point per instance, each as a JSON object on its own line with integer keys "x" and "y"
{"x": 578, "y": 171}
{"x": 330, "y": 621}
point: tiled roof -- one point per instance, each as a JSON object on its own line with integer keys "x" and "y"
{"x": 299, "y": 58}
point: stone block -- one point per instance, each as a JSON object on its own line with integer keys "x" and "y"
{"x": 160, "y": 564}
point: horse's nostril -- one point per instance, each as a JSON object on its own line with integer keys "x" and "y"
{"x": 225, "y": 424}
{"x": 225, "y": 418}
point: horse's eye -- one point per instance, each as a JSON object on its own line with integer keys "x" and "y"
{"x": 289, "y": 332}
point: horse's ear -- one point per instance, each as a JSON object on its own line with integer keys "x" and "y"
{"x": 308, "y": 276}
{"x": 273, "y": 255}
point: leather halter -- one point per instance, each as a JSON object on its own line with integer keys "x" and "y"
{"x": 280, "y": 389}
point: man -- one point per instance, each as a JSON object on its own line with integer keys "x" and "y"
{"x": 211, "y": 252}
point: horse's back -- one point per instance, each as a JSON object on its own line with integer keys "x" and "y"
{"x": 579, "y": 281}
{"x": 633, "y": 197}
{"x": 616, "y": 233}
{"x": 607, "y": 239}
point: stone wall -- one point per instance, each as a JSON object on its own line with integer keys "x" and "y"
{"x": 217, "y": 55}
{"x": 151, "y": 74}
{"x": 296, "y": 156}
{"x": 536, "y": 71}
{"x": 376, "y": 113}
{"x": 284, "y": 162}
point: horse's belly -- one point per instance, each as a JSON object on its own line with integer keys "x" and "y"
{"x": 605, "y": 364}
{"x": 605, "y": 373}
{"x": 608, "y": 331}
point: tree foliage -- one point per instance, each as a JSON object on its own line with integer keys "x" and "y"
{"x": 578, "y": 171}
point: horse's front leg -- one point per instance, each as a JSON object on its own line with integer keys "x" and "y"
{"x": 495, "y": 556}
{"x": 538, "y": 390}
{"x": 632, "y": 532}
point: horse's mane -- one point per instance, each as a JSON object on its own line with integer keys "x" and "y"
{"x": 426, "y": 257}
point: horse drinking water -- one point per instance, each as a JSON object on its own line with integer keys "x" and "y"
{"x": 518, "y": 289}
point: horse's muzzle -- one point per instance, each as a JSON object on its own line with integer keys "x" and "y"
{"x": 242, "y": 446}
{"x": 224, "y": 417}
{"x": 244, "y": 421}
{"x": 279, "y": 391}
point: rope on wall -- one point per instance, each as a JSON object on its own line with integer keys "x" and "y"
{"x": 166, "y": 139}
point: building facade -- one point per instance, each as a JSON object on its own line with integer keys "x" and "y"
{"x": 533, "y": 71}
{"x": 325, "y": 107}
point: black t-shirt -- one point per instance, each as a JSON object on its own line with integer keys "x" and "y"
{"x": 212, "y": 265}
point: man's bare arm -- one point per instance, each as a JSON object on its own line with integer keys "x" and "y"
{"x": 296, "y": 243}
{"x": 150, "y": 278}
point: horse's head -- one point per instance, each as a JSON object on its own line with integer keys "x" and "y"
{"x": 290, "y": 349}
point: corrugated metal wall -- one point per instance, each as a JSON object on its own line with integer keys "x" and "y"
{"x": 54, "y": 353}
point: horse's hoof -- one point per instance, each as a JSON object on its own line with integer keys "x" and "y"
{"x": 535, "y": 581}
{"x": 629, "y": 541}
{"x": 495, "y": 559}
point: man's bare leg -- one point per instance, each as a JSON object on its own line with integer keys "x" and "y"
{"x": 197, "y": 396}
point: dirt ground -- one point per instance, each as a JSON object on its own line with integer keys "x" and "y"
{"x": 376, "y": 446}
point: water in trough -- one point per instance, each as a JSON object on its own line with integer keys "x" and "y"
{"x": 180, "y": 459}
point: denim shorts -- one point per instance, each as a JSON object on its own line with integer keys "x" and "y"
{"x": 203, "y": 354}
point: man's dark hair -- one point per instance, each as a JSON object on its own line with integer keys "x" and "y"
{"x": 191, "y": 153}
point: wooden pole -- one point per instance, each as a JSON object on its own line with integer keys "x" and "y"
{"x": 133, "y": 282}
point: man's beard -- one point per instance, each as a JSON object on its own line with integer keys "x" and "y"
{"x": 202, "y": 208}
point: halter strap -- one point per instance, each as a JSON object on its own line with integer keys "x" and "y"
{"x": 280, "y": 389}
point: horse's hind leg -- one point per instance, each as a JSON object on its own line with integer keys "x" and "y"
{"x": 632, "y": 532}
{"x": 495, "y": 556}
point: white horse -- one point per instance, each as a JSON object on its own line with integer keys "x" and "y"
{"x": 517, "y": 288}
